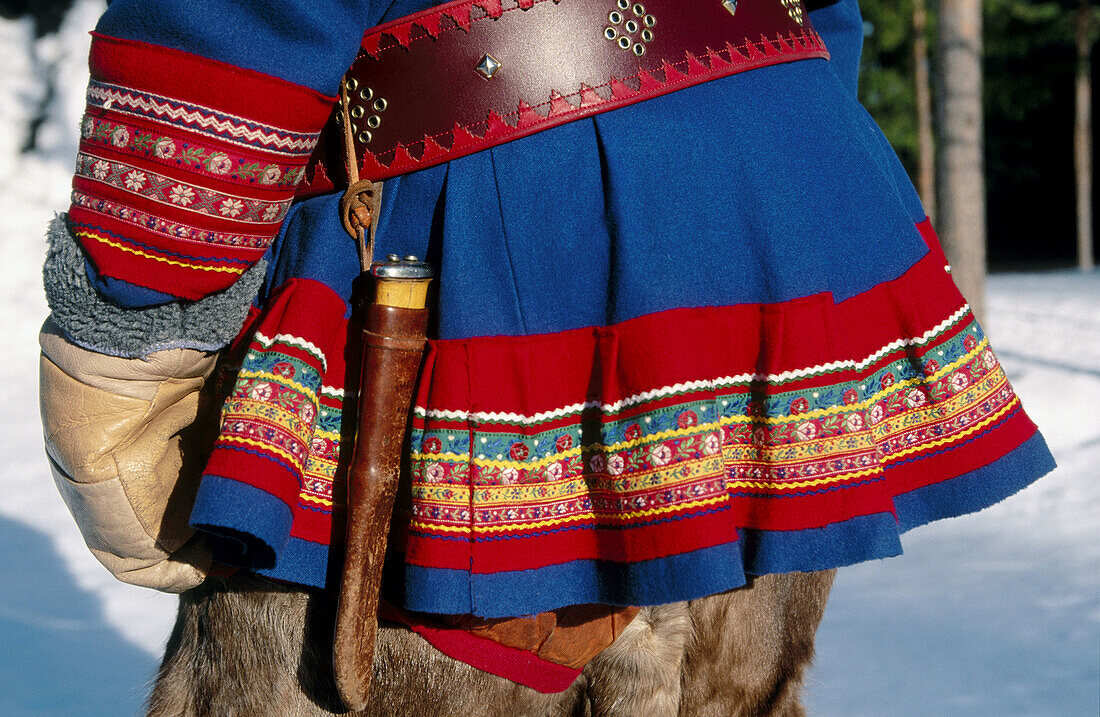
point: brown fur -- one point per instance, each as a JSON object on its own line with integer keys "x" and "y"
{"x": 244, "y": 647}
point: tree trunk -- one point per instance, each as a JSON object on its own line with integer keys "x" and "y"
{"x": 926, "y": 161}
{"x": 960, "y": 197}
{"x": 1082, "y": 135}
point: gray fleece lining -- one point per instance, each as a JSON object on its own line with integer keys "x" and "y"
{"x": 91, "y": 321}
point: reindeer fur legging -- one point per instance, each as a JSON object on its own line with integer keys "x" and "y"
{"x": 243, "y": 646}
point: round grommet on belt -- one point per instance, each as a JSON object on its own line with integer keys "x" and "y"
{"x": 373, "y": 121}
{"x": 357, "y": 112}
{"x": 624, "y": 42}
{"x": 610, "y": 33}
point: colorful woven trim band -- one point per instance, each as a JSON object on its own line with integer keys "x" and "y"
{"x": 473, "y": 74}
{"x": 546, "y": 454}
{"x": 187, "y": 166}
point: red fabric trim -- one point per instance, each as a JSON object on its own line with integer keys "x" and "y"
{"x": 179, "y": 268}
{"x": 209, "y": 222}
{"x": 913, "y": 472}
{"x": 256, "y": 469}
{"x": 510, "y": 663}
{"x": 531, "y": 374}
{"x": 694, "y": 530}
{"x": 208, "y": 82}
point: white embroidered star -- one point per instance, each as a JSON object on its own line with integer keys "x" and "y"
{"x": 182, "y": 195}
{"x": 271, "y": 212}
{"x": 100, "y": 169}
{"x": 135, "y": 180}
{"x": 231, "y": 207}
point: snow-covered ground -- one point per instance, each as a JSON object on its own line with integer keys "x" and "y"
{"x": 993, "y": 614}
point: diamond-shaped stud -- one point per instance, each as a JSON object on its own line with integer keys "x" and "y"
{"x": 730, "y": 5}
{"x": 488, "y": 66}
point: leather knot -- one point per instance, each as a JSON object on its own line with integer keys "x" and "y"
{"x": 356, "y": 207}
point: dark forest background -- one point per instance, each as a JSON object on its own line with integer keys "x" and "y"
{"x": 1029, "y": 66}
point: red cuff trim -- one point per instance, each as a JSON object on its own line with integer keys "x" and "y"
{"x": 232, "y": 89}
{"x": 187, "y": 165}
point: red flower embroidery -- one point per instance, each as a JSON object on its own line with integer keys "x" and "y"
{"x": 283, "y": 369}
{"x": 633, "y": 431}
{"x": 887, "y": 380}
{"x": 799, "y": 405}
{"x": 969, "y": 342}
{"x": 850, "y": 396}
{"x": 564, "y": 442}
{"x": 519, "y": 451}
{"x": 432, "y": 445}
{"x": 931, "y": 367}
{"x": 687, "y": 419}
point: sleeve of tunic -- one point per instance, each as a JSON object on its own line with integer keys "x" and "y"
{"x": 200, "y": 118}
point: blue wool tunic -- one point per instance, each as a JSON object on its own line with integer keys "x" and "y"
{"x": 761, "y": 189}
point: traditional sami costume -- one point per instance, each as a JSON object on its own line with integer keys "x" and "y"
{"x": 698, "y": 337}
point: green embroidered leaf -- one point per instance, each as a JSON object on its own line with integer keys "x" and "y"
{"x": 193, "y": 154}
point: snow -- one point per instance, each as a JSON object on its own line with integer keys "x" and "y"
{"x": 992, "y": 614}
{"x": 996, "y": 613}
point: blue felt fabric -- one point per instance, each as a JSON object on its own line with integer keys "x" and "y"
{"x": 123, "y": 293}
{"x": 307, "y": 42}
{"x": 248, "y": 527}
{"x": 651, "y": 582}
{"x": 978, "y": 489}
{"x": 761, "y": 187}
{"x": 841, "y": 27}
{"x": 757, "y": 552}
{"x": 306, "y": 563}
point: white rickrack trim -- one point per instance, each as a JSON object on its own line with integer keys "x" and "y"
{"x": 333, "y": 392}
{"x": 692, "y": 386}
{"x": 301, "y": 343}
{"x": 120, "y": 96}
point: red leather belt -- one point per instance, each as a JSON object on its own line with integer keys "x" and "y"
{"x": 468, "y": 75}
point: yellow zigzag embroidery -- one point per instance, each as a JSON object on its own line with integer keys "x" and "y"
{"x": 704, "y": 428}
{"x": 610, "y": 518}
{"x": 779, "y": 485}
{"x": 146, "y": 255}
{"x": 958, "y": 436}
{"x": 265, "y": 446}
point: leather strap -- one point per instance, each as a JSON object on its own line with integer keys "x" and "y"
{"x": 472, "y": 74}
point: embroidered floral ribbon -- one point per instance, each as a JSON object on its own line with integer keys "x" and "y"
{"x": 187, "y": 165}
